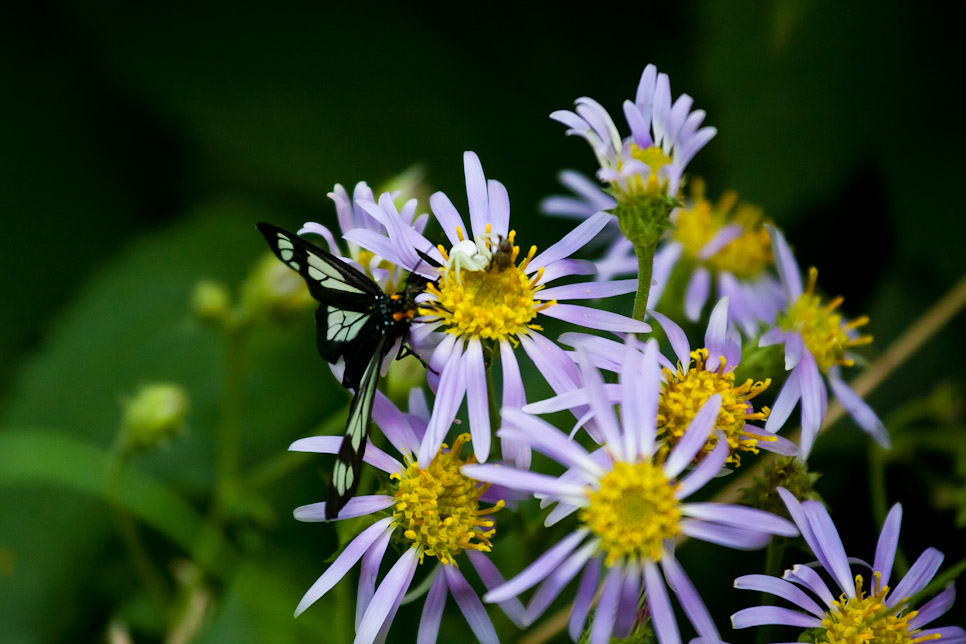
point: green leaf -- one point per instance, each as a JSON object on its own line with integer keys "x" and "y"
{"x": 44, "y": 457}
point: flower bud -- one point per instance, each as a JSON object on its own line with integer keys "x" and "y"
{"x": 211, "y": 302}
{"x": 153, "y": 416}
{"x": 274, "y": 289}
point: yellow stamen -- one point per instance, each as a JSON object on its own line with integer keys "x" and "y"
{"x": 744, "y": 257}
{"x": 683, "y": 394}
{"x": 822, "y": 329}
{"x": 437, "y": 509}
{"x": 861, "y": 620}
{"x": 488, "y": 304}
{"x": 655, "y": 159}
{"x": 633, "y": 512}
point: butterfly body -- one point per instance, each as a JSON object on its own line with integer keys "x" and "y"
{"x": 357, "y": 324}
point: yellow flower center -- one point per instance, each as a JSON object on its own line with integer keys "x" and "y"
{"x": 863, "y": 620}
{"x": 438, "y": 509}
{"x": 495, "y": 303}
{"x": 633, "y": 512}
{"x": 364, "y": 257}
{"x": 655, "y": 159}
{"x": 683, "y": 394}
{"x": 825, "y": 336}
{"x": 744, "y": 257}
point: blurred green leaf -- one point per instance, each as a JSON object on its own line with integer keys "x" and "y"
{"x": 45, "y": 457}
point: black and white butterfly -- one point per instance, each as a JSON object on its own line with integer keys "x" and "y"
{"x": 358, "y": 323}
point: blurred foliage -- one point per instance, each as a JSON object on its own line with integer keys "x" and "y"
{"x": 142, "y": 143}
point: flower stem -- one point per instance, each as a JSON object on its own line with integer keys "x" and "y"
{"x": 645, "y": 264}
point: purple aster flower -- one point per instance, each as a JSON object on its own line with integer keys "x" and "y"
{"x": 725, "y": 244}
{"x": 630, "y": 505}
{"x": 352, "y": 216}
{"x": 859, "y": 614}
{"x": 664, "y": 137}
{"x": 434, "y": 511}
{"x": 487, "y": 300}
{"x": 816, "y": 341}
{"x": 687, "y": 386}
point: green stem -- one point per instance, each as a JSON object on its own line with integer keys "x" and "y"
{"x": 773, "y": 565}
{"x": 229, "y": 437}
{"x": 494, "y": 404}
{"x": 645, "y": 264}
{"x": 151, "y": 577}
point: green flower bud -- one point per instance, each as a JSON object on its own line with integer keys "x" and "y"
{"x": 153, "y": 416}
{"x": 788, "y": 472}
{"x": 211, "y": 302}
{"x": 274, "y": 289}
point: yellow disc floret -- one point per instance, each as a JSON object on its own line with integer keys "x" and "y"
{"x": 683, "y": 394}
{"x": 633, "y": 512}
{"x": 826, "y": 338}
{"x": 655, "y": 159}
{"x": 438, "y": 509}
{"x": 744, "y": 257}
{"x": 495, "y": 303}
{"x": 865, "y": 620}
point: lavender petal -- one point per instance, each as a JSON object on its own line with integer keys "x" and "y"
{"x": 695, "y": 437}
{"x": 811, "y": 580}
{"x": 785, "y": 263}
{"x": 368, "y": 573}
{"x": 860, "y": 411}
{"x": 556, "y": 581}
{"x": 724, "y": 535}
{"x": 492, "y": 578}
{"x": 331, "y": 444}
{"x": 780, "y": 588}
{"x": 393, "y": 586}
{"x": 586, "y": 591}
{"x": 662, "y": 614}
{"x": 689, "y": 598}
{"x": 885, "y": 548}
{"x": 595, "y": 318}
{"x": 356, "y": 507}
{"x": 352, "y": 553}
{"x": 760, "y": 615}
{"x": 603, "y": 625}
{"x": 572, "y": 241}
{"x": 751, "y": 519}
{"x": 918, "y": 576}
{"x": 935, "y": 607}
{"x": 448, "y": 217}
{"x": 533, "y": 574}
{"x": 587, "y": 290}
{"x": 706, "y": 470}
{"x": 471, "y": 606}
{"x": 697, "y": 293}
{"x": 432, "y": 609}
{"x": 477, "y": 403}
{"x": 531, "y": 482}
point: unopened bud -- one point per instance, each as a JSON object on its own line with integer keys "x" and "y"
{"x": 275, "y": 289}
{"x": 211, "y": 302}
{"x": 154, "y": 415}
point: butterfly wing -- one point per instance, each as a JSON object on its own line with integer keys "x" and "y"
{"x": 348, "y": 464}
{"x": 346, "y": 296}
{"x": 330, "y": 279}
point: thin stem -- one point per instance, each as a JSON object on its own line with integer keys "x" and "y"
{"x": 773, "y": 567}
{"x": 906, "y": 345}
{"x": 150, "y": 575}
{"x": 645, "y": 264}
{"x": 229, "y": 438}
{"x": 491, "y": 397}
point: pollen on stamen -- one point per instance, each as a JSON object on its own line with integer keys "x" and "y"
{"x": 821, "y": 328}
{"x": 438, "y": 509}
{"x": 863, "y": 619}
{"x": 684, "y": 392}
{"x": 633, "y": 512}
{"x": 490, "y": 305}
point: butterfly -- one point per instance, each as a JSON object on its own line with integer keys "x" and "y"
{"x": 358, "y": 323}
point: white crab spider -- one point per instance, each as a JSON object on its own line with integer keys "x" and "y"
{"x": 468, "y": 255}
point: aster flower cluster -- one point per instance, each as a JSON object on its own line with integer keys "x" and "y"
{"x": 652, "y": 420}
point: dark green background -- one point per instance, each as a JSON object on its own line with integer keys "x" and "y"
{"x": 139, "y": 144}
